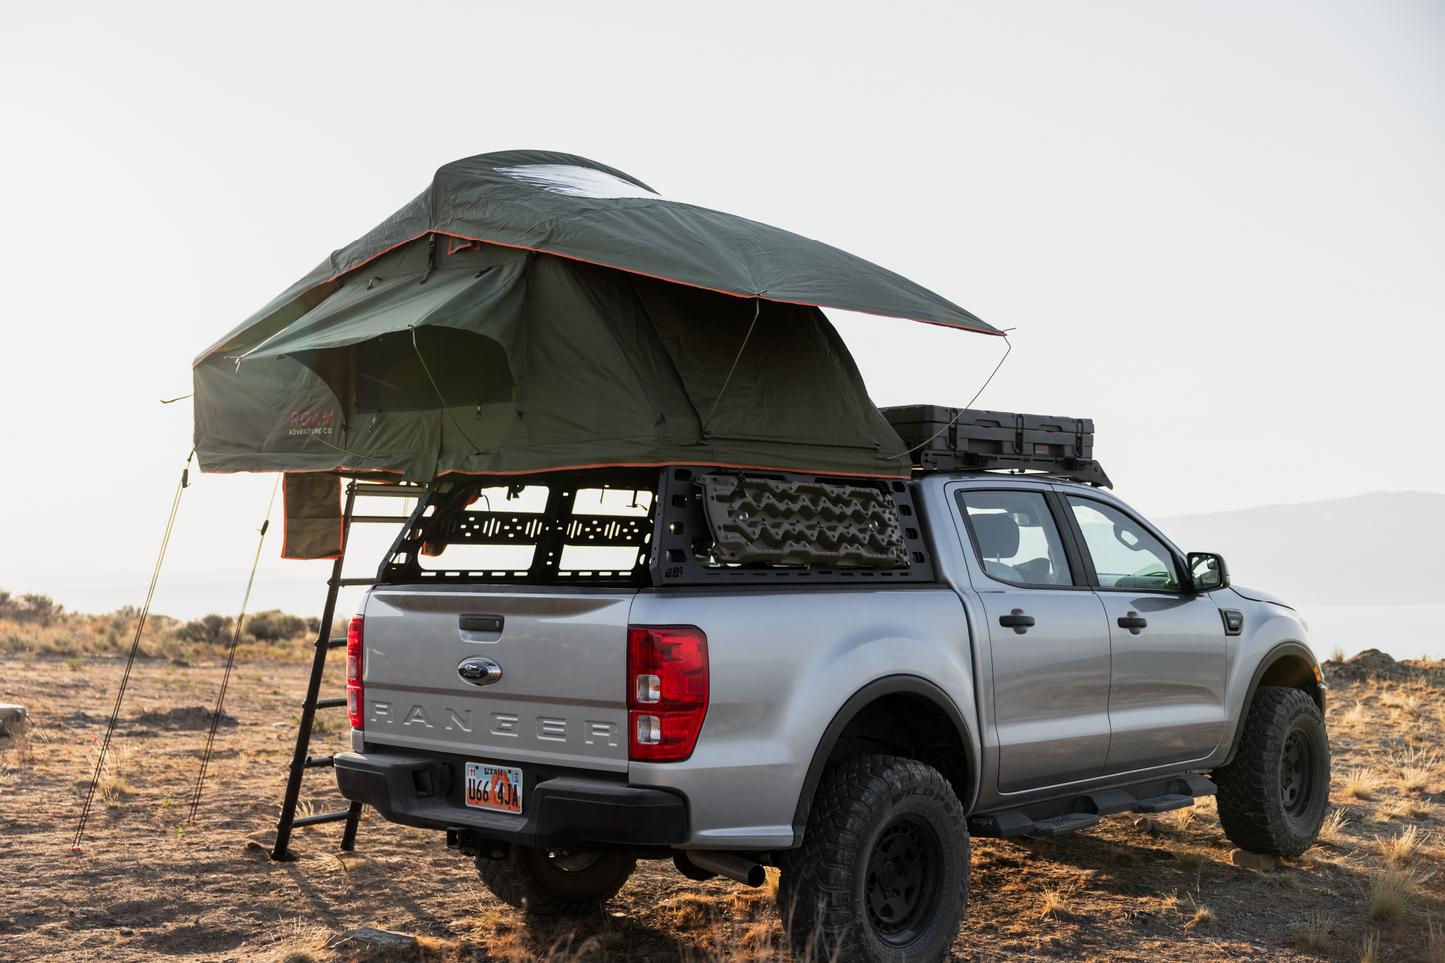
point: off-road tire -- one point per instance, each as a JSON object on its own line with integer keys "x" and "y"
{"x": 1274, "y": 795}
{"x": 877, "y": 825}
{"x": 552, "y": 882}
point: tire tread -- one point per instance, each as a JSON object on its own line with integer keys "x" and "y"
{"x": 1248, "y": 809}
{"x": 814, "y": 887}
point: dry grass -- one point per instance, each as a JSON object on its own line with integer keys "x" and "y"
{"x": 1370, "y": 949}
{"x": 1179, "y": 819}
{"x": 1362, "y": 783}
{"x": 1316, "y": 932}
{"x": 691, "y": 912}
{"x": 1389, "y": 891}
{"x": 1333, "y": 827}
{"x": 1403, "y": 703}
{"x": 1105, "y": 883}
{"x": 1280, "y": 879}
{"x": 20, "y": 736}
{"x": 1417, "y": 770}
{"x": 1404, "y": 849}
{"x": 1435, "y": 944}
{"x": 1201, "y": 915}
{"x": 1354, "y": 715}
{"x": 1054, "y": 903}
{"x": 328, "y": 722}
{"x": 1186, "y": 857}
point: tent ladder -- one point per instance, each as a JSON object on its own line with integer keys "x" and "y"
{"x": 302, "y": 760}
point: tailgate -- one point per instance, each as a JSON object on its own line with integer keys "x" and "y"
{"x": 561, "y": 695}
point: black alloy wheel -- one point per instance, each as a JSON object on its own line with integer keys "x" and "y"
{"x": 902, "y": 883}
{"x": 1296, "y": 774}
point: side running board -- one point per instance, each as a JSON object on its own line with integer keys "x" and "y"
{"x": 1080, "y": 812}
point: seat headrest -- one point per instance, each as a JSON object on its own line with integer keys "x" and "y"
{"x": 998, "y": 535}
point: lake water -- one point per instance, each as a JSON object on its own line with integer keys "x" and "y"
{"x": 1403, "y": 631}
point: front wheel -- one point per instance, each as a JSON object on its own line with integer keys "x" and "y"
{"x": 882, "y": 875}
{"x": 1274, "y": 794}
{"x": 554, "y": 882}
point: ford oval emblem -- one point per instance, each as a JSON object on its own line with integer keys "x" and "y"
{"x": 479, "y": 671}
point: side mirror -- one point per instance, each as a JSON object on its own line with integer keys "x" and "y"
{"x": 1207, "y": 571}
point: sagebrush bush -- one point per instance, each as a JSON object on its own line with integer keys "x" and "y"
{"x": 33, "y": 625}
{"x": 30, "y": 608}
{"x": 276, "y": 626}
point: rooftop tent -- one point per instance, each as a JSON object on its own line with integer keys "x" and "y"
{"x": 534, "y": 311}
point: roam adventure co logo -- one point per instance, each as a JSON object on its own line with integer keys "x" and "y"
{"x": 316, "y": 422}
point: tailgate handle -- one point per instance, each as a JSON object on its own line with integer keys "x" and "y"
{"x": 480, "y": 623}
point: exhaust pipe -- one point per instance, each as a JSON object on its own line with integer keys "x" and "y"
{"x": 745, "y": 871}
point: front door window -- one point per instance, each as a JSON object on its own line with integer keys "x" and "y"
{"x": 1125, "y": 555}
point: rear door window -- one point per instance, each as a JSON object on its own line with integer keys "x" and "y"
{"x": 1015, "y": 537}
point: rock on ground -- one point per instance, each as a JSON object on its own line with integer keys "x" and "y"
{"x": 1259, "y": 862}
{"x": 370, "y": 938}
{"x": 1363, "y": 666}
{"x": 187, "y": 717}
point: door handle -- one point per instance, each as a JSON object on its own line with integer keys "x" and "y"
{"x": 1132, "y": 622}
{"x": 1017, "y": 621}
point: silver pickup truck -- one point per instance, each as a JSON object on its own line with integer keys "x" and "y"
{"x": 843, "y": 678}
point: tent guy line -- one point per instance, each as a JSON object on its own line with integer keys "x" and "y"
{"x": 954, "y": 420}
{"x": 231, "y": 658}
{"x": 433, "y": 380}
{"x": 185, "y": 483}
{"x": 757, "y": 309}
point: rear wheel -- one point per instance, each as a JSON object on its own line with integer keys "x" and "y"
{"x": 882, "y": 874}
{"x": 554, "y": 882}
{"x": 1274, "y": 795}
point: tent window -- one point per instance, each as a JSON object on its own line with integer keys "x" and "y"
{"x": 469, "y": 369}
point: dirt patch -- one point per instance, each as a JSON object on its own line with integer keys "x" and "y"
{"x": 149, "y": 884}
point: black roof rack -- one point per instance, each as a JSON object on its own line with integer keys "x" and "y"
{"x": 968, "y": 439}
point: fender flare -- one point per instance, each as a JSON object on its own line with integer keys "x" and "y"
{"x": 877, "y": 689}
{"x": 1273, "y": 656}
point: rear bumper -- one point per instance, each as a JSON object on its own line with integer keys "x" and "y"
{"x": 560, "y": 808}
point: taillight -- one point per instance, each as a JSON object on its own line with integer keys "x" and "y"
{"x": 666, "y": 690}
{"x": 355, "y": 697}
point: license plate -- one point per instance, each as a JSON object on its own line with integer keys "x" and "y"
{"x": 498, "y": 788}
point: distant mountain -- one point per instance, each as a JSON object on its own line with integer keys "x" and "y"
{"x": 1386, "y": 547}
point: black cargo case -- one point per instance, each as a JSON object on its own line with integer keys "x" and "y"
{"x": 950, "y": 439}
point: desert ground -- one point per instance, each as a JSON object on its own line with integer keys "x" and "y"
{"x": 147, "y": 884}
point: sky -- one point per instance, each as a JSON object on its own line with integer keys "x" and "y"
{"x": 1217, "y": 229}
